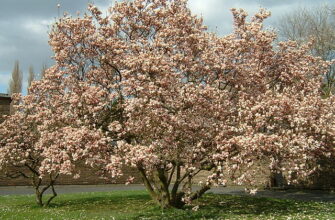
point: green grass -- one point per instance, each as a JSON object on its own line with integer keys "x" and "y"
{"x": 137, "y": 205}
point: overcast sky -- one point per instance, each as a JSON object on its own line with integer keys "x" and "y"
{"x": 24, "y": 25}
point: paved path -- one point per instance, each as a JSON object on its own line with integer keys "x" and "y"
{"x": 311, "y": 195}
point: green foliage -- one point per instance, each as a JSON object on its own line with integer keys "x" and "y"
{"x": 138, "y": 205}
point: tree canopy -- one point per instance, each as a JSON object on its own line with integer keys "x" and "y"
{"x": 147, "y": 86}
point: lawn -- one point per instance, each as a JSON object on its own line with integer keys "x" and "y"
{"x": 137, "y": 205}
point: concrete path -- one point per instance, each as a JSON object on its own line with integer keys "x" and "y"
{"x": 310, "y": 195}
{"x": 62, "y": 189}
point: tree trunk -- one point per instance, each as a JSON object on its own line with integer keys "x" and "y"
{"x": 158, "y": 188}
{"x": 276, "y": 179}
{"x": 54, "y": 194}
{"x": 39, "y": 193}
{"x": 39, "y": 200}
{"x": 177, "y": 201}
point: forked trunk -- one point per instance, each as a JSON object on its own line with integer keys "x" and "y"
{"x": 39, "y": 196}
{"x": 40, "y": 192}
{"x": 167, "y": 197}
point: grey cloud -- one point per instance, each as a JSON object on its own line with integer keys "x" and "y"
{"x": 218, "y": 18}
{"x": 40, "y": 8}
{"x": 24, "y": 26}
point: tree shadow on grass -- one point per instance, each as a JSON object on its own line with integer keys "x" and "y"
{"x": 249, "y": 205}
{"x": 213, "y": 206}
{"x": 102, "y": 199}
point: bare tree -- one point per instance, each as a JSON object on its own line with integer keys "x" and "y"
{"x": 318, "y": 25}
{"x": 15, "y": 84}
{"x": 31, "y": 76}
{"x": 43, "y": 70}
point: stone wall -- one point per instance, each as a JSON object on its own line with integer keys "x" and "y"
{"x": 87, "y": 177}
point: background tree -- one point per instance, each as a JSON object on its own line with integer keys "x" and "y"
{"x": 43, "y": 71}
{"x": 42, "y": 139}
{"x": 316, "y": 24}
{"x": 20, "y": 156}
{"x": 15, "y": 84}
{"x": 31, "y": 76}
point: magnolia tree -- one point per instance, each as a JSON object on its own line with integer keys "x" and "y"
{"x": 19, "y": 154}
{"x": 42, "y": 139}
{"x": 160, "y": 94}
